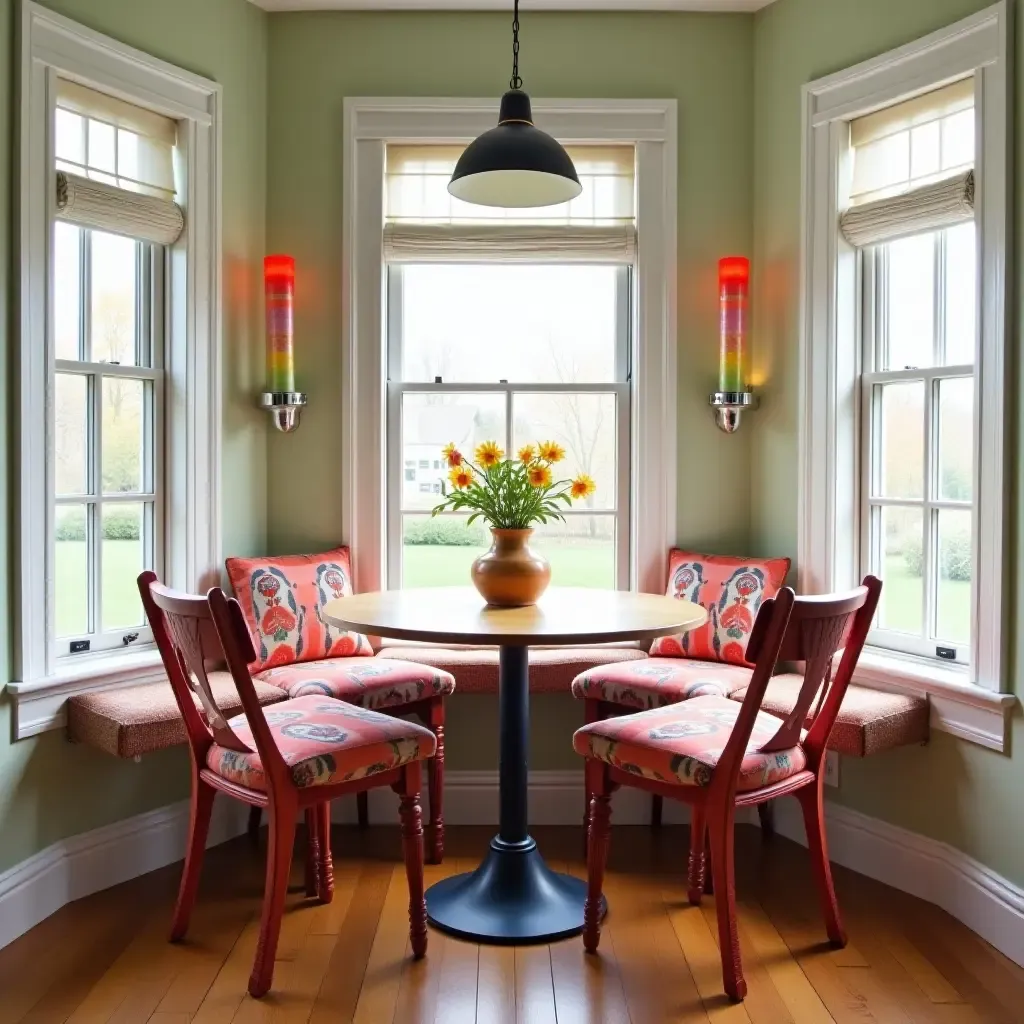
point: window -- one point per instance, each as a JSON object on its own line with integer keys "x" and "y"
{"x": 918, "y": 385}
{"x": 903, "y": 352}
{"x": 465, "y": 365}
{"x": 118, "y": 387}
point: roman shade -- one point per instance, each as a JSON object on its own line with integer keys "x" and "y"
{"x": 425, "y": 224}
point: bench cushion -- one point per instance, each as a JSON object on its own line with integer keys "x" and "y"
{"x": 681, "y": 744}
{"x": 552, "y": 670}
{"x": 655, "y": 682}
{"x": 869, "y": 720}
{"x": 324, "y": 742}
{"x": 368, "y": 682}
{"x": 137, "y": 720}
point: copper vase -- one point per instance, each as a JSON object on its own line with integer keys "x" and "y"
{"x": 510, "y": 575}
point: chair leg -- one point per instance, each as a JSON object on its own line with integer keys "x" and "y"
{"x": 363, "y": 808}
{"x": 720, "y": 827}
{"x": 766, "y": 815}
{"x": 253, "y": 828}
{"x": 199, "y": 826}
{"x": 312, "y": 851}
{"x": 698, "y": 838}
{"x": 411, "y": 815}
{"x": 591, "y": 714}
{"x": 325, "y": 864}
{"x": 435, "y": 770}
{"x": 597, "y": 852}
{"x": 279, "y": 862}
{"x": 811, "y": 802}
{"x": 656, "y": 809}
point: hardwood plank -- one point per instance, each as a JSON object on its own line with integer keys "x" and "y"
{"x": 535, "y": 987}
{"x": 229, "y": 987}
{"x": 496, "y": 985}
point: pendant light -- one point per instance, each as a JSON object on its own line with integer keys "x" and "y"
{"x": 515, "y": 165}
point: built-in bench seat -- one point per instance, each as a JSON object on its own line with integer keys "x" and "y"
{"x": 137, "y": 720}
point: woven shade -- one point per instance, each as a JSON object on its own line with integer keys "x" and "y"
{"x": 94, "y": 204}
{"x": 461, "y": 243}
{"x": 928, "y": 208}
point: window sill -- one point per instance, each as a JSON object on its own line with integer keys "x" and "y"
{"x": 39, "y": 705}
{"x": 958, "y": 706}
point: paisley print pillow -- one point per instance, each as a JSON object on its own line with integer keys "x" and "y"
{"x": 283, "y": 600}
{"x": 731, "y": 591}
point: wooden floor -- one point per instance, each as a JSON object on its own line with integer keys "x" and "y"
{"x": 105, "y": 958}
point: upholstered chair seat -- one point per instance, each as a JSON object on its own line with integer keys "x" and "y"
{"x": 655, "y": 682}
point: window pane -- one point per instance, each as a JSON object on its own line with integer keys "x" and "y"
{"x": 429, "y": 423}
{"x": 924, "y": 150}
{"x": 71, "y": 433}
{"x": 584, "y": 426}
{"x": 124, "y": 403}
{"x": 956, "y": 438}
{"x": 961, "y": 287}
{"x": 958, "y": 140}
{"x": 71, "y": 570}
{"x": 549, "y": 324}
{"x": 438, "y": 552}
{"x": 911, "y": 302}
{"x": 900, "y": 543}
{"x": 67, "y": 292}
{"x": 124, "y": 557}
{"x": 70, "y": 137}
{"x": 581, "y": 550}
{"x": 954, "y": 597}
{"x": 102, "y": 147}
{"x": 901, "y": 444}
{"x": 883, "y": 163}
{"x": 114, "y": 296}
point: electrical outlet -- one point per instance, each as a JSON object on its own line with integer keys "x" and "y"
{"x": 831, "y": 768}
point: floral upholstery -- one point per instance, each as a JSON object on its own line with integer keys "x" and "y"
{"x": 681, "y": 744}
{"x": 655, "y": 682}
{"x": 731, "y": 590}
{"x": 368, "y": 682}
{"x": 283, "y": 598}
{"x": 323, "y": 741}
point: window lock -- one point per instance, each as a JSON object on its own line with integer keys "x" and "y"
{"x": 129, "y": 638}
{"x": 946, "y": 653}
{"x": 79, "y": 646}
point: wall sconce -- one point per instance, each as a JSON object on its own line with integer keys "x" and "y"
{"x": 281, "y": 398}
{"x": 734, "y": 299}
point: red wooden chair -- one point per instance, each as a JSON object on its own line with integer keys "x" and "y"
{"x": 295, "y": 756}
{"x": 717, "y": 755}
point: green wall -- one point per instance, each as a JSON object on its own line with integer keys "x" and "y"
{"x": 953, "y": 791}
{"x": 49, "y": 789}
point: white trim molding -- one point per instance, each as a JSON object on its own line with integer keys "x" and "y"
{"x": 933, "y": 871}
{"x": 370, "y": 123}
{"x": 830, "y": 351}
{"x": 720, "y": 6}
{"x": 55, "y": 47}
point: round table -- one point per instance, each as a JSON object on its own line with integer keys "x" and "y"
{"x": 513, "y": 896}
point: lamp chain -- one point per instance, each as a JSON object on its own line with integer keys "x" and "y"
{"x": 515, "y": 82}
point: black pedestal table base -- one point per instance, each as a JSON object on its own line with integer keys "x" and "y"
{"x": 513, "y": 897}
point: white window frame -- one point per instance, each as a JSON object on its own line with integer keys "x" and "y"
{"x": 619, "y": 388}
{"x": 966, "y": 701}
{"x": 650, "y": 125}
{"x": 53, "y": 46}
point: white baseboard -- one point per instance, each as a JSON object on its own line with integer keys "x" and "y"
{"x": 987, "y": 903}
{"x": 81, "y": 865}
{"x": 72, "y": 868}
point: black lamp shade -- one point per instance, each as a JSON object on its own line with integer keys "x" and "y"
{"x": 515, "y": 165}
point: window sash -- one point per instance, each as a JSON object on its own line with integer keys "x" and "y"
{"x": 397, "y": 389}
{"x": 151, "y": 266}
{"x": 874, "y": 331}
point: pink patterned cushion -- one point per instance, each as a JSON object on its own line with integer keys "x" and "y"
{"x": 731, "y": 590}
{"x": 282, "y": 599}
{"x": 324, "y": 741}
{"x": 368, "y": 682}
{"x": 682, "y": 743}
{"x": 655, "y": 682}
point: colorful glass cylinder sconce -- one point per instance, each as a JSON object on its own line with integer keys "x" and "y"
{"x": 281, "y": 399}
{"x": 732, "y": 396}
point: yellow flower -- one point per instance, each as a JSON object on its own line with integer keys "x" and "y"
{"x": 489, "y": 454}
{"x": 583, "y": 486}
{"x": 460, "y": 477}
{"x": 539, "y": 476}
{"x": 452, "y": 455}
{"x": 551, "y": 451}
{"x": 527, "y": 454}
